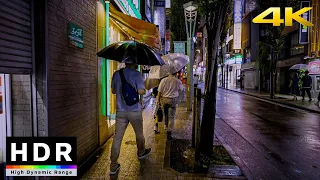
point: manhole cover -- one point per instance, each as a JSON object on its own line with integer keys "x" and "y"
{"x": 223, "y": 170}
{"x": 131, "y": 143}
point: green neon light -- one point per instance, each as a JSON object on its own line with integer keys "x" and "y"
{"x": 103, "y": 87}
{"x": 107, "y": 81}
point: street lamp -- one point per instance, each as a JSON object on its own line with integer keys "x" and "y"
{"x": 190, "y": 13}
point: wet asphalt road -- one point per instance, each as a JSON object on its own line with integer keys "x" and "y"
{"x": 273, "y": 141}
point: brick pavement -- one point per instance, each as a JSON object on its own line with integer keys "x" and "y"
{"x": 152, "y": 168}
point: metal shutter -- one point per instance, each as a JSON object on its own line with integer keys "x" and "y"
{"x": 15, "y": 36}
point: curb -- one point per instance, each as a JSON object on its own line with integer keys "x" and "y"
{"x": 245, "y": 170}
{"x": 283, "y": 103}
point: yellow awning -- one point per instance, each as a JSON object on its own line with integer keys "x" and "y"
{"x": 139, "y": 30}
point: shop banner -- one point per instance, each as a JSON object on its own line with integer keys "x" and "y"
{"x": 314, "y": 67}
{"x": 304, "y": 30}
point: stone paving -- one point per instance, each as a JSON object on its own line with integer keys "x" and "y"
{"x": 154, "y": 167}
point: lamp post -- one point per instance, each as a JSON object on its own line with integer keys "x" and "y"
{"x": 271, "y": 58}
{"x": 190, "y": 13}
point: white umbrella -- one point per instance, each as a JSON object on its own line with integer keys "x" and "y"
{"x": 151, "y": 83}
{"x": 299, "y": 66}
{"x": 174, "y": 62}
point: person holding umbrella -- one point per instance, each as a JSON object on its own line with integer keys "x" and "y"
{"x": 306, "y": 85}
{"x": 127, "y": 84}
{"x": 168, "y": 93}
{"x": 294, "y": 85}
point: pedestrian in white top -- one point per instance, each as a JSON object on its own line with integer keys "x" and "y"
{"x": 168, "y": 93}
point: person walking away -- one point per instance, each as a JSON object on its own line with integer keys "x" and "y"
{"x": 306, "y": 85}
{"x": 241, "y": 80}
{"x": 195, "y": 80}
{"x": 295, "y": 86}
{"x": 127, "y": 84}
{"x": 168, "y": 94}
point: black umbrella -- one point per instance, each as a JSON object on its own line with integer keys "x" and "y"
{"x": 131, "y": 52}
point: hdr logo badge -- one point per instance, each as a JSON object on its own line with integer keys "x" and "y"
{"x": 41, "y": 156}
{"x": 289, "y": 16}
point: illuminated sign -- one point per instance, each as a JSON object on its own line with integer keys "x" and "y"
{"x": 304, "y": 30}
{"x": 131, "y": 8}
{"x": 159, "y": 17}
{"x": 179, "y": 47}
{"x": 168, "y": 4}
{"x": 314, "y": 67}
{"x": 237, "y": 24}
{"x": 160, "y": 20}
{"x": 238, "y": 59}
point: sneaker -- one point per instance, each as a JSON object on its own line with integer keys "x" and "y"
{"x": 145, "y": 154}
{"x": 113, "y": 172}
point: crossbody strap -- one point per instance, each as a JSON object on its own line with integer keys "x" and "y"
{"x": 123, "y": 79}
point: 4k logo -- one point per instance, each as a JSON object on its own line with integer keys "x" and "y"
{"x": 289, "y": 16}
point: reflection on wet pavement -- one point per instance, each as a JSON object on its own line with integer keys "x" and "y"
{"x": 287, "y": 138}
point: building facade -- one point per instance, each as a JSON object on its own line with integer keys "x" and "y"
{"x": 51, "y": 81}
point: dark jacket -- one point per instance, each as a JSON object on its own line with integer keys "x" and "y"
{"x": 306, "y": 81}
{"x": 295, "y": 82}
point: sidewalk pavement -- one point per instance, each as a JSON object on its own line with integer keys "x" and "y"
{"x": 154, "y": 167}
{"x": 282, "y": 99}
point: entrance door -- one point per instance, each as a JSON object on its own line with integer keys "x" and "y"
{"x": 3, "y": 123}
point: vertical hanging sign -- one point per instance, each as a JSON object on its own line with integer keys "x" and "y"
{"x": 160, "y": 18}
{"x": 237, "y": 24}
{"x": 304, "y": 30}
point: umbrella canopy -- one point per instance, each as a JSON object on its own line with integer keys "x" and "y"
{"x": 151, "y": 83}
{"x": 131, "y": 52}
{"x": 299, "y": 66}
{"x": 173, "y": 63}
